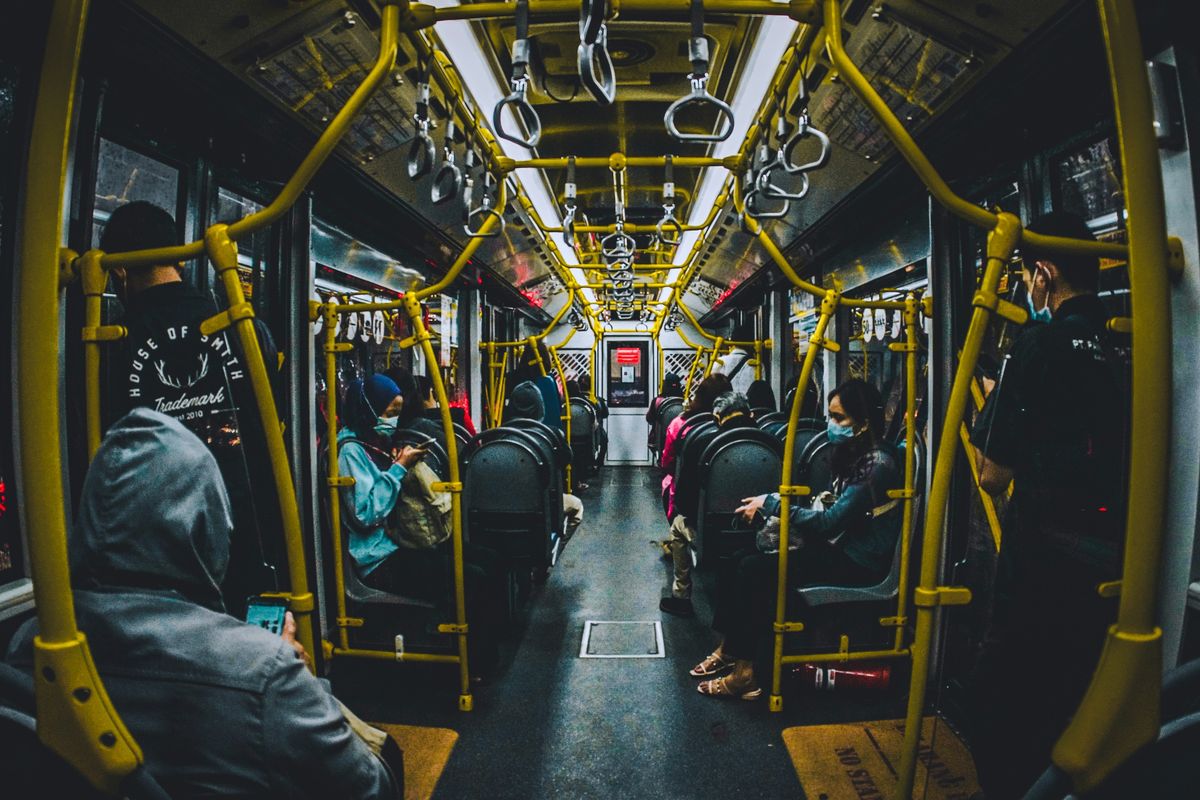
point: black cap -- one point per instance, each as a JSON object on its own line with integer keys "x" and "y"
{"x": 139, "y": 226}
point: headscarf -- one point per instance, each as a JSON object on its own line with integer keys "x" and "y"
{"x": 366, "y": 400}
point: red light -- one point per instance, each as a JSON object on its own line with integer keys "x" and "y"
{"x": 1103, "y": 509}
{"x": 628, "y": 355}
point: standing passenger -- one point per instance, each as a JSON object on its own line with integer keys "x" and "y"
{"x": 220, "y": 708}
{"x": 1054, "y": 427}
{"x": 735, "y": 364}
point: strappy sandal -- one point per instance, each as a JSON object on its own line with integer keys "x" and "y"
{"x": 720, "y": 688}
{"x": 713, "y": 664}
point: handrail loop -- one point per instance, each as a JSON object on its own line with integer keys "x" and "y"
{"x": 520, "y": 84}
{"x": 618, "y": 245}
{"x": 422, "y": 153}
{"x": 804, "y": 129}
{"x": 470, "y": 162}
{"x": 485, "y": 209}
{"x": 448, "y": 180}
{"x": 592, "y": 14}
{"x": 592, "y": 58}
{"x": 763, "y": 185}
{"x": 698, "y": 54}
{"x": 669, "y": 223}
{"x": 570, "y": 205}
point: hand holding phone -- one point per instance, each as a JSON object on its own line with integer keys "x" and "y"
{"x": 408, "y": 455}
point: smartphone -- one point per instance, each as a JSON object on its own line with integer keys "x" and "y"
{"x": 266, "y": 613}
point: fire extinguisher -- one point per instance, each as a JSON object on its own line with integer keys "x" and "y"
{"x": 829, "y": 678}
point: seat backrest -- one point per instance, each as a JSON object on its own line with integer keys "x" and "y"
{"x": 739, "y": 463}
{"x": 823, "y": 594}
{"x": 507, "y": 471}
{"x": 768, "y": 416}
{"x": 437, "y": 459}
{"x": 557, "y": 439}
{"x": 687, "y": 466}
{"x": 583, "y": 424}
{"x": 668, "y": 410}
{"x": 814, "y": 467}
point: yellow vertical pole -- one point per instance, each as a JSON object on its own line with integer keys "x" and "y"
{"x": 787, "y": 490}
{"x": 240, "y": 315}
{"x": 334, "y": 481}
{"x": 93, "y": 279}
{"x": 412, "y": 304}
{"x": 714, "y": 355}
{"x": 595, "y": 366}
{"x": 758, "y": 370}
{"x": 929, "y": 595}
{"x": 1121, "y": 710}
{"x": 909, "y": 347}
{"x": 63, "y": 667}
{"x": 566, "y": 415}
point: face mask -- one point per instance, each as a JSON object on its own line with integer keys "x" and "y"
{"x": 1038, "y": 315}
{"x": 386, "y": 426}
{"x": 838, "y": 433}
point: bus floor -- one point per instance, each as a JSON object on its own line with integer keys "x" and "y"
{"x": 552, "y": 724}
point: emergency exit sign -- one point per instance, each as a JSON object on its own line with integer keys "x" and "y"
{"x": 628, "y": 355}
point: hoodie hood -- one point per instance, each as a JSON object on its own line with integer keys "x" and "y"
{"x": 154, "y": 512}
{"x": 526, "y": 402}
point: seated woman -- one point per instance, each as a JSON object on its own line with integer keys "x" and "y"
{"x": 696, "y": 410}
{"x": 393, "y": 559}
{"x": 672, "y": 386}
{"x": 848, "y": 540}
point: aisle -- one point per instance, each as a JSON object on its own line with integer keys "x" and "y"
{"x": 552, "y": 724}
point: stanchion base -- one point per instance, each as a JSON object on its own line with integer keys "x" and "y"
{"x": 777, "y": 702}
{"x": 466, "y": 702}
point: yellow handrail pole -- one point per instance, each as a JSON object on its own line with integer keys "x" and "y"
{"x": 413, "y": 306}
{"x": 595, "y": 366}
{"x": 88, "y": 734}
{"x": 758, "y": 348}
{"x": 928, "y": 596}
{"x": 687, "y": 312}
{"x": 985, "y": 499}
{"x": 713, "y": 355}
{"x": 565, "y": 418}
{"x": 691, "y": 376}
{"x": 817, "y": 343}
{"x": 93, "y": 279}
{"x": 334, "y": 481}
{"x": 240, "y": 315}
{"x": 662, "y": 364}
{"x": 907, "y": 147}
{"x": 651, "y": 9}
{"x": 909, "y": 347}
{"x": 388, "y": 46}
{"x": 1121, "y": 710}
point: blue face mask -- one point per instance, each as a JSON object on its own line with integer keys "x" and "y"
{"x": 386, "y": 426}
{"x": 838, "y": 433}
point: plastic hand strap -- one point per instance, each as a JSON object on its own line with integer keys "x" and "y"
{"x": 803, "y": 131}
{"x": 596, "y": 71}
{"x": 519, "y": 82}
{"x": 591, "y": 20}
{"x": 447, "y": 182}
{"x": 698, "y": 54}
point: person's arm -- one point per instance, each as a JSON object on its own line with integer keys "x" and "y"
{"x": 855, "y": 502}
{"x": 311, "y": 750}
{"x": 375, "y": 491}
{"x": 998, "y": 432}
{"x": 994, "y": 477}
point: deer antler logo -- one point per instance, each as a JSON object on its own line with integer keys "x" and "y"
{"x": 168, "y": 380}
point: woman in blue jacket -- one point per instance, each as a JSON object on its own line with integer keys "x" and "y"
{"x": 849, "y": 539}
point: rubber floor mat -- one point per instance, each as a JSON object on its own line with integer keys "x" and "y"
{"x": 858, "y": 761}
{"x": 426, "y": 751}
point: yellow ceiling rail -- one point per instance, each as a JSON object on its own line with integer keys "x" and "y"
{"x": 561, "y": 10}
{"x": 619, "y": 161}
{"x": 63, "y": 667}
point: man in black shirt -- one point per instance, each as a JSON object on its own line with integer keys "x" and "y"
{"x": 166, "y": 364}
{"x": 1054, "y": 427}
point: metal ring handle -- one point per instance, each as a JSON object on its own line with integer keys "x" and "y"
{"x": 524, "y": 111}
{"x": 592, "y": 58}
{"x": 591, "y": 19}
{"x": 623, "y": 274}
{"x": 669, "y": 223}
{"x": 699, "y": 96}
{"x": 568, "y": 226}
{"x": 753, "y": 211}
{"x": 618, "y": 245}
{"x": 447, "y": 182}
{"x": 485, "y": 210}
{"x": 765, "y": 188}
{"x": 422, "y": 154}
{"x": 802, "y": 132}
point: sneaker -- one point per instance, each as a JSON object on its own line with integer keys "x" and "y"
{"x": 679, "y": 606}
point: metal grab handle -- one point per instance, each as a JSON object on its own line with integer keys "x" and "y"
{"x": 520, "y": 83}
{"x": 699, "y": 96}
{"x": 569, "y": 204}
{"x": 485, "y": 208}
{"x": 765, "y": 188}
{"x": 668, "y": 221}
{"x": 618, "y": 245}
{"x": 422, "y": 153}
{"x": 448, "y": 180}
{"x": 524, "y": 111}
{"x": 591, "y": 20}
{"x": 594, "y": 57}
{"x": 470, "y": 161}
{"x": 803, "y": 131}
{"x": 624, "y": 273}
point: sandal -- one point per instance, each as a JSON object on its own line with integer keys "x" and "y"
{"x": 720, "y": 688}
{"x": 713, "y": 664}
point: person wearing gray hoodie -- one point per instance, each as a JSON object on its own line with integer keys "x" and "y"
{"x": 219, "y": 707}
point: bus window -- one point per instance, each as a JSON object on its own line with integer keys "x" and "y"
{"x": 123, "y": 176}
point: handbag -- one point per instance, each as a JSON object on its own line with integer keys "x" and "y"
{"x": 421, "y": 518}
